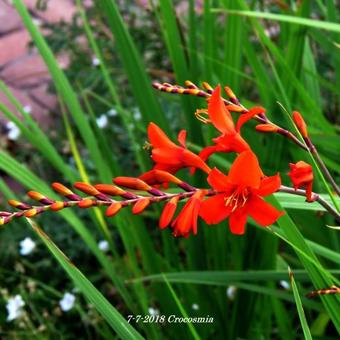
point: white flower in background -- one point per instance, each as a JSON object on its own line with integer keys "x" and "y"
{"x": 195, "y": 306}
{"x": 102, "y": 121}
{"x": 14, "y": 307}
{"x": 153, "y": 311}
{"x": 112, "y": 113}
{"x": 136, "y": 114}
{"x": 27, "y": 109}
{"x": 231, "y": 291}
{"x": 95, "y": 61}
{"x": 26, "y": 246}
{"x": 13, "y": 131}
{"x": 285, "y": 284}
{"x": 36, "y": 22}
{"x": 67, "y": 302}
{"x": 103, "y": 245}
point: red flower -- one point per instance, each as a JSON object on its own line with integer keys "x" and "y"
{"x": 301, "y": 174}
{"x": 230, "y": 138}
{"x": 171, "y": 157}
{"x": 239, "y": 195}
{"x": 186, "y": 221}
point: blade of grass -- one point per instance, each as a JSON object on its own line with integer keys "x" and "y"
{"x": 109, "y": 313}
{"x": 182, "y": 310}
{"x": 325, "y": 25}
{"x": 138, "y": 78}
{"x": 66, "y": 91}
{"x": 301, "y": 312}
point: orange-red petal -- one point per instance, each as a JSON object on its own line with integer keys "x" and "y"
{"x": 262, "y": 212}
{"x": 248, "y": 115}
{"x": 182, "y": 135}
{"x": 158, "y": 138}
{"x": 246, "y": 171}
{"x": 218, "y": 113}
{"x": 213, "y": 210}
{"x": 218, "y": 181}
{"x": 269, "y": 185}
{"x": 238, "y": 220}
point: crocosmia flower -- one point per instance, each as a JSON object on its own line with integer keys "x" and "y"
{"x": 186, "y": 221}
{"x": 301, "y": 175}
{"x": 239, "y": 195}
{"x": 169, "y": 156}
{"x": 230, "y": 139}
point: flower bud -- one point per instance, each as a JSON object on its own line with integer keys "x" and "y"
{"x": 266, "y": 128}
{"x": 168, "y": 212}
{"x": 140, "y": 205}
{"x": 132, "y": 183}
{"x": 113, "y": 209}
{"x": 301, "y": 175}
{"x": 300, "y": 123}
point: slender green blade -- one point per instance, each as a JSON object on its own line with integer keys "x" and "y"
{"x": 109, "y": 313}
{"x": 301, "y": 312}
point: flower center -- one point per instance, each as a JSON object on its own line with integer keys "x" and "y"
{"x": 237, "y": 199}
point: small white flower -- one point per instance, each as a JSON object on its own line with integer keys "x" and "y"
{"x": 153, "y": 311}
{"x": 103, "y": 245}
{"x": 285, "y": 284}
{"x": 13, "y": 131}
{"x": 195, "y": 306}
{"x": 26, "y": 246}
{"x": 36, "y": 22}
{"x": 137, "y": 114}
{"x": 102, "y": 121}
{"x": 112, "y": 113}
{"x": 231, "y": 291}
{"x": 14, "y": 307}
{"x": 27, "y": 109}
{"x": 95, "y": 61}
{"x": 67, "y": 302}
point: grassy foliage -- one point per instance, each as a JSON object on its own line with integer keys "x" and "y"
{"x": 227, "y": 42}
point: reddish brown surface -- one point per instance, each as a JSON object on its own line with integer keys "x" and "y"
{"x": 21, "y": 67}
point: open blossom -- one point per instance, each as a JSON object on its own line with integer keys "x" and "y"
{"x": 239, "y": 195}
{"x": 67, "y": 302}
{"x": 169, "y": 156}
{"x": 14, "y": 307}
{"x": 230, "y": 139}
{"x": 27, "y": 245}
{"x": 301, "y": 174}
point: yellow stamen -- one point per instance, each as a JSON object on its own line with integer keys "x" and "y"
{"x": 199, "y": 115}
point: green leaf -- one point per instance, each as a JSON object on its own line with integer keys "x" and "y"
{"x": 325, "y": 25}
{"x": 301, "y": 312}
{"x": 109, "y": 313}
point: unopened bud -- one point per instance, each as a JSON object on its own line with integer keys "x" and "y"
{"x": 266, "y": 128}
{"x": 300, "y": 123}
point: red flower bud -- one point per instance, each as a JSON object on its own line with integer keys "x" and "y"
{"x": 266, "y": 128}
{"x": 113, "y": 209}
{"x": 132, "y": 183}
{"x": 301, "y": 175}
{"x": 168, "y": 212}
{"x": 140, "y": 205}
{"x": 300, "y": 123}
